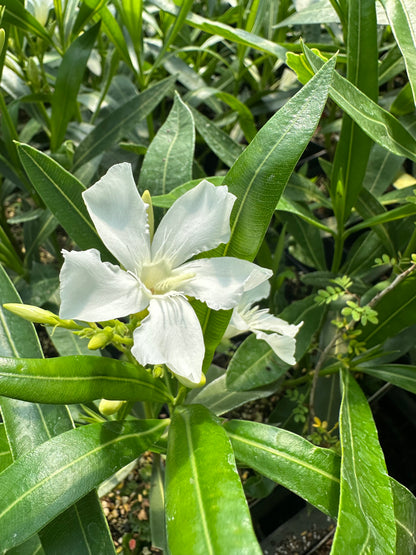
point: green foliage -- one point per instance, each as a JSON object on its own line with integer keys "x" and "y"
{"x": 325, "y": 184}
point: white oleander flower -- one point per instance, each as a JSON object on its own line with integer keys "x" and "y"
{"x": 154, "y": 273}
{"x": 246, "y": 317}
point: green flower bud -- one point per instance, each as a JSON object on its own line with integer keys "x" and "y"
{"x": 107, "y": 408}
{"x": 100, "y": 340}
{"x": 33, "y": 313}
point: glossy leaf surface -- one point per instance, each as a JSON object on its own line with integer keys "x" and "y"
{"x": 200, "y": 469}
{"x": 396, "y": 311}
{"x": 292, "y": 461}
{"x": 68, "y": 81}
{"x": 168, "y": 161}
{"x": 78, "y": 379}
{"x": 402, "y": 375}
{"x": 254, "y": 364}
{"x": 62, "y": 194}
{"x": 402, "y": 18}
{"x": 259, "y": 177}
{"x": 29, "y": 425}
{"x": 366, "y": 514}
{"x": 112, "y": 127}
{"x": 57, "y": 473}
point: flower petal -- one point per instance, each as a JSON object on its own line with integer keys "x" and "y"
{"x": 119, "y": 215}
{"x": 198, "y": 221}
{"x": 171, "y": 335}
{"x": 257, "y": 293}
{"x": 220, "y": 282}
{"x": 263, "y": 320}
{"x": 283, "y": 346}
{"x": 94, "y": 291}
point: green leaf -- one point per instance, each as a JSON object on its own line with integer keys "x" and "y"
{"x": 111, "y": 28}
{"x": 379, "y": 124}
{"x": 65, "y": 534}
{"x": 396, "y": 311}
{"x": 389, "y": 216}
{"x": 218, "y": 141}
{"x": 402, "y": 375}
{"x": 366, "y": 515}
{"x": 121, "y": 120}
{"x": 369, "y": 207}
{"x": 166, "y": 201}
{"x": 309, "y": 471}
{"x": 287, "y": 205}
{"x": 258, "y": 179}
{"x": 405, "y": 515}
{"x": 206, "y": 510}
{"x": 68, "y": 81}
{"x": 168, "y": 161}
{"x": 62, "y": 194}
{"x": 5, "y": 453}
{"x": 307, "y": 311}
{"x": 83, "y": 457}
{"x": 68, "y": 344}
{"x": 253, "y": 365}
{"x": 239, "y": 36}
{"x": 354, "y": 145}
{"x": 78, "y": 379}
{"x": 38, "y": 231}
{"x": 308, "y": 241}
{"x": 29, "y": 425}
{"x": 219, "y": 399}
{"x": 402, "y": 18}
{"x": 157, "y": 505}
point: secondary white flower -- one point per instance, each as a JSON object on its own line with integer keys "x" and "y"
{"x": 247, "y": 318}
{"x": 155, "y": 274}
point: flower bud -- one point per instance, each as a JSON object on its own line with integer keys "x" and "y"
{"x": 107, "y": 408}
{"x": 33, "y": 313}
{"x": 99, "y": 340}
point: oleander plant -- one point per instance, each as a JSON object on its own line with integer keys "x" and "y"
{"x": 205, "y": 207}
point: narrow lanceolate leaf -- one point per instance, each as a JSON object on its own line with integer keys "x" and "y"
{"x": 78, "y": 379}
{"x": 366, "y": 521}
{"x": 402, "y": 375}
{"x": 239, "y": 36}
{"x": 259, "y": 177}
{"x": 109, "y": 130}
{"x": 62, "y": 194}
{"x": 81, "y": 458}
{"x": 68, "y": 81}
{"x": 206, "y": 510}
{"x": 310, "y": 471}
{"x": 405, "y": 515}
{"x": 168, "y": 161}
{"x": 220, "y": 399}
{"x": 354, "y": 144}
{"x": 379, "y": 124}
{"x": 28, "y": 425}
{"x": 218, "y": 141}
{"x": 254, "y": 364}
{"x": 402, "y": 18}
{"x": 396, "y": 311}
